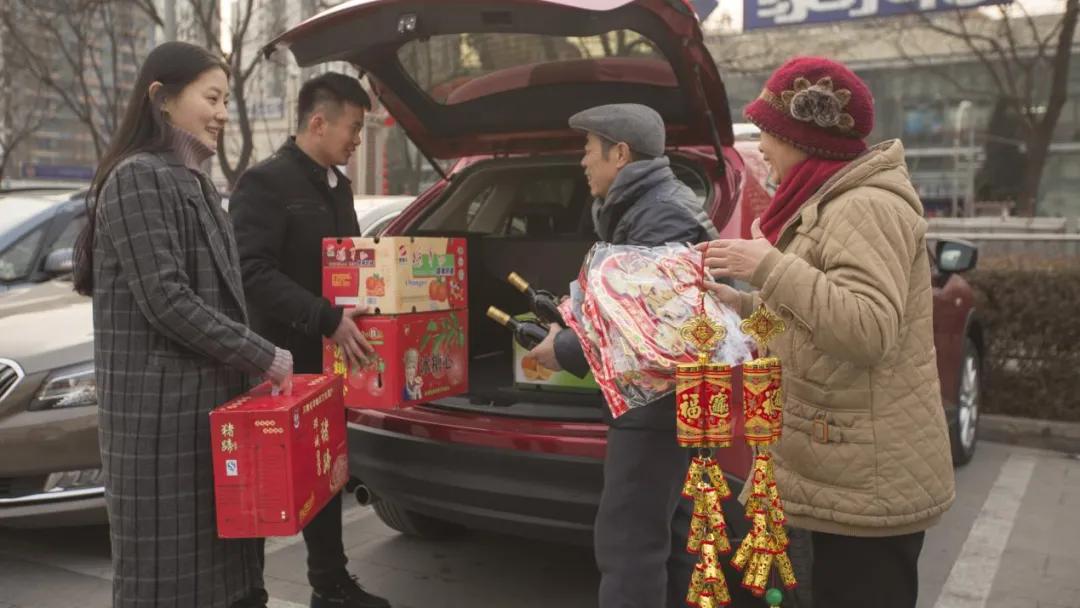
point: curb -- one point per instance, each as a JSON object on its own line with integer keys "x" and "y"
{"x": 1030, "y": 432}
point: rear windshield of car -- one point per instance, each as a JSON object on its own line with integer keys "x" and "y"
{"x": 441, "y": 65}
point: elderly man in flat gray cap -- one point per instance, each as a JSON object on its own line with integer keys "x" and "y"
{"x": 641, "y": 527}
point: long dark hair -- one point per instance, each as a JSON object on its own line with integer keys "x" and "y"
{"x": 143, "y": 128}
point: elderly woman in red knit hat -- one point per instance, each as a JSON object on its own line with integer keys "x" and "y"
{"x": 840, "y": 255}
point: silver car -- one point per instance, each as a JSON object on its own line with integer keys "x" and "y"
{"x": 50, "y": 468}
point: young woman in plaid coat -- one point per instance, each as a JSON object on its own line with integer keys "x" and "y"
{"x": 171, "y": 339}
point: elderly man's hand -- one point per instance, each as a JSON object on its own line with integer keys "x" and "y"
{"x": 545, "y": 351}
{"x": 736, "y": 258}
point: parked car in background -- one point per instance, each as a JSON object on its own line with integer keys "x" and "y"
{"x": 960, "y": 342}
{"x": 50, "y": 469}
{"x": 38, "y": 228}
{"x": 374, "y": 213}
{"x": 746, "y": 131}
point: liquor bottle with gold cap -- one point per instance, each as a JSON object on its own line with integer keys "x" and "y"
{"x": 543, "y": 303}
{"x": 527, "y": 333}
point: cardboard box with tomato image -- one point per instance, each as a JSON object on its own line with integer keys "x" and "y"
{"x": 396, "y": 275}
{"x": 528, "y": 373}
{"x": 418, "y": 357}
{"x": 278, "y": 459}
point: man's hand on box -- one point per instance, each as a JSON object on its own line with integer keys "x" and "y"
{"x": 545, "y": 351}
{"x": 351, "y": 340}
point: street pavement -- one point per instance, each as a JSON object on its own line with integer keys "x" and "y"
{"x": 1012, "y": 540}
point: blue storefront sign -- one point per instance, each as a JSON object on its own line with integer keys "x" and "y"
{"x": 67, "y": 172}
{"x": 759, "y": 14}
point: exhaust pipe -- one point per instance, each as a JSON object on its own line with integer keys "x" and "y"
{"x": 364, "y": 495}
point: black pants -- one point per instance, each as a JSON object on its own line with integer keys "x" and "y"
{"x": 642, "y": 523}
{"x": 257, "y": 599}
{"x": 325, "y": 548}
{"x": 854, "y": 572}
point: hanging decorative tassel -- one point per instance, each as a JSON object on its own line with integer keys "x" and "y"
{"x": 767, "y": 543}
{"x": 704, "y": 422}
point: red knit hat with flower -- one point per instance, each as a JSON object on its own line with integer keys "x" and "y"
{"x": 816, "y": 105}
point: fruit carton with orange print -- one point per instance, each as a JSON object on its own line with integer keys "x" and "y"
{"x": 278, "y": 459}
{"x": 418, "y": 357}
{"x": 528, "y": 373}
{"x": 396, "y": 275}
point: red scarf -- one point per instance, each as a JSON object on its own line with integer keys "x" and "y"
{"x": 805, "y": 179}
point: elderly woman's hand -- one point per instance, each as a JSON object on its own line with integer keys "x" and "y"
{"x": 736, "y": 258}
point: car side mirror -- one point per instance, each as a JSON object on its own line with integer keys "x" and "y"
{"x": 60, "y": 261}
{"x": 956, "y": 256}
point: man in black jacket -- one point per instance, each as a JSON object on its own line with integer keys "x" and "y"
{"x": 642, "y": 523}
{"x": 282, "y": 209}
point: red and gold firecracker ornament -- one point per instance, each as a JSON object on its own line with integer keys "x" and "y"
{"x": 765, "y": 547}
{"x": 704, "y": 422}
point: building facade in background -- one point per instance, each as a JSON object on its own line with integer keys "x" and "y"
{"x": 110, "y": 47}
{"x": 930, "y": 91}
{"x": 933, "y": 93}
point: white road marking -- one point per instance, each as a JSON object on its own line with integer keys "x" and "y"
{"x": 972, "y": 576}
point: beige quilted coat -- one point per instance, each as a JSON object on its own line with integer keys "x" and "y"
{"x": 865, "y": 449}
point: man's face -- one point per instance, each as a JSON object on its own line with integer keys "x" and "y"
{"x": 340, "y": 132}
{"x": 601, "y": 170}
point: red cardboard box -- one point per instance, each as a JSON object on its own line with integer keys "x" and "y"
{"x": 396, "y": 275}
{"x": 418, "y": 357}
{"x": 278, "y": 459}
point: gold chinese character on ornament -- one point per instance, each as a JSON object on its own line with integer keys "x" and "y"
{"x": 689, "y": 406}
{"x": 324, "y": 430}
{"x": 227, "y": 430}
{"x": 326, "y": 461}
{"x": 315, "y": 424}
{"x": 718, "y": 405}
{"x": 318, "y": 464}
{"x": 704, "y": 333}
{"x": 228, "y": 446}
{"x": 763, "y": 326}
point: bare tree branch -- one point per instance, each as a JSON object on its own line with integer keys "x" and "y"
{"x": 243, "y": 68}
{"x": 1029, "y": 71}
{"x": 24, "y": 108}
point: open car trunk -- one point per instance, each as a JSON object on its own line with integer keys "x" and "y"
{"x": 470, "y": 77}
{"x": 530, "y": 216}
{"x": 549, "y": 264}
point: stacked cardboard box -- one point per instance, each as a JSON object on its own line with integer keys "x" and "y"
{"x": 417, "y": 291}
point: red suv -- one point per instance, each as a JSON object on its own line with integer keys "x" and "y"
{"x": 492, "y": 83}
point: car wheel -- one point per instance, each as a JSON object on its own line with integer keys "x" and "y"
{"x": 964, "y": 433}
{"x": 415, "y": 524}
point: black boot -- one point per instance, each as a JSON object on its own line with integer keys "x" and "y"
{"x": 346, "y": 593}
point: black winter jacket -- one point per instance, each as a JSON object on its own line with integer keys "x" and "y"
{"x": 282, "y": 209}
{"x": 647, "y": 206}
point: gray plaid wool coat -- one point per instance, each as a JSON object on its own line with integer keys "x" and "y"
{"x": 171, "y": 343}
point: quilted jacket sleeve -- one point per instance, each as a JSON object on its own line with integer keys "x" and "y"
{"x": 853, "y": 303}
{"x": 748, "y": 303}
